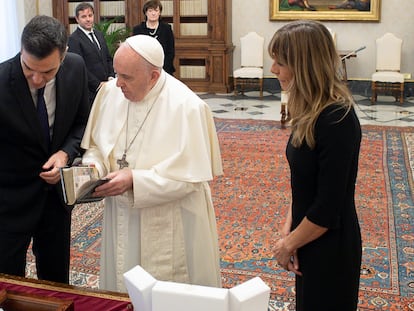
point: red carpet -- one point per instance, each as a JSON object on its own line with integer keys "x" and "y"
{"x": 251, "y": 200}
{"x": 252, "y": 197}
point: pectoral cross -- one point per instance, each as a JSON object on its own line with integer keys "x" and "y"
{"x": 122, "y": 162}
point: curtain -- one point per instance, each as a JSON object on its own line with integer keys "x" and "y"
{"x": 9, "y": 30}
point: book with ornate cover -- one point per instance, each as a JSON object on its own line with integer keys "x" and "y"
{"x": 78, "y": 184}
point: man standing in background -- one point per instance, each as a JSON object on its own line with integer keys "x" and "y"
{"x": 91, "y": 45}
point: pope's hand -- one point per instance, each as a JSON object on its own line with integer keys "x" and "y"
{"x": 119, "y": 182}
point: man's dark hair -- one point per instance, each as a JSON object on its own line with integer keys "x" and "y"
{"x": 83, "y": 6}
{"x": 43, "y": 35}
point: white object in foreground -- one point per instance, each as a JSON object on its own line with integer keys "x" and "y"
{"x": 185, "y": 297}
{"x": 252, "y": 295}
{"x": 139, "y": 284}
{"x": 149, "y": 294}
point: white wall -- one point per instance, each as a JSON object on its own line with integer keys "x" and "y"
{"x": 30, "y": 8}
{"x": 396, "y": 16}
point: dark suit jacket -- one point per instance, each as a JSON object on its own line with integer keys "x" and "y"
{"x": 23, "y": 150}
{"x": 165, "y": 36}
{"x": 98, "y": 62}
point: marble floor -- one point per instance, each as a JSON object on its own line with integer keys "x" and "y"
{"x": 385, "y": 112}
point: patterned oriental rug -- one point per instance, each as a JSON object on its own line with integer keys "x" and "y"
{"x": 251, "y": 200}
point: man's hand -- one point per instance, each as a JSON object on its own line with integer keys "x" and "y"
{"x": 50, "y": 172}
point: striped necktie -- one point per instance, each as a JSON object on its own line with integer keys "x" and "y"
{"x": 94, "y": 40}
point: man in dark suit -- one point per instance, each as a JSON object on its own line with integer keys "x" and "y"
{"x": 91, "y": 45}
{"x": 35, "y": 143}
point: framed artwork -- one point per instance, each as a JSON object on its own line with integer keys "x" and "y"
{"x": 328, "y": 10}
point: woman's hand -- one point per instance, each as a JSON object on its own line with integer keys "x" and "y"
{"x": 286, "y": 258}
{"x": 286, "y": 248}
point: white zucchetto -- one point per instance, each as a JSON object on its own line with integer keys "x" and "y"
{"x": 149, "y": 48}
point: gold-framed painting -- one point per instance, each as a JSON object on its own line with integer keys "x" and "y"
{"x": 328, "y": 10}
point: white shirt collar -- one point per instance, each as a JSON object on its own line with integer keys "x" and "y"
{"x": 86, "y": 32}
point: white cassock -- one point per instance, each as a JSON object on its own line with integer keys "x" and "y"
{"x": 167, "y": 222}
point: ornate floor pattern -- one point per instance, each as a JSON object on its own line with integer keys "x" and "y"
{"x": 251, "y": 200}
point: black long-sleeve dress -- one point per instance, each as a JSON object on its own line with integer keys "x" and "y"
{"x": 323, "y": 188}
{"x": 165, "y": 36}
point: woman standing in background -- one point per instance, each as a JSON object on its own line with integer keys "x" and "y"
{"x": 154, "y": 27}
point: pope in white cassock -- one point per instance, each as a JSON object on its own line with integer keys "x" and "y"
{"x": 156, "y": 142}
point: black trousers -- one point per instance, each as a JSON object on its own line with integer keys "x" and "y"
{"x": 51, "y": 244}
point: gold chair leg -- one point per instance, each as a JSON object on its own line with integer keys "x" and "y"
{"x": 283, "y": 115}
{"x": 374, "y": 93}
{"x": 235, "y": 86}
{"x": 374, "y": 97}
{"x": 261, "y": 87}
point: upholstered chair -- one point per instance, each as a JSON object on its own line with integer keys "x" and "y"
{"x": 251, "y": 72}
{"x": 387, "y": 78}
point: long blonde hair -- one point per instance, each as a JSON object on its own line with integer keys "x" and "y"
{"x": 308, "y": 50}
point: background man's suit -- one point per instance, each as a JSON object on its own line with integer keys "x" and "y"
{"x": 98, "y": 62}
{"x": 28, "y": 205}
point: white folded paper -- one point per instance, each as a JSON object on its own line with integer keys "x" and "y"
{"x": 252, "y": 295}
{"x": 185, "y": 297}
{"x": 149, "y": 294}
{"x": 139, "y": 284}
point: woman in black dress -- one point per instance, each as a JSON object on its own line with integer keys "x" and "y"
{"x": 321, "y": 240}
{"x": 154, "y": 27}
